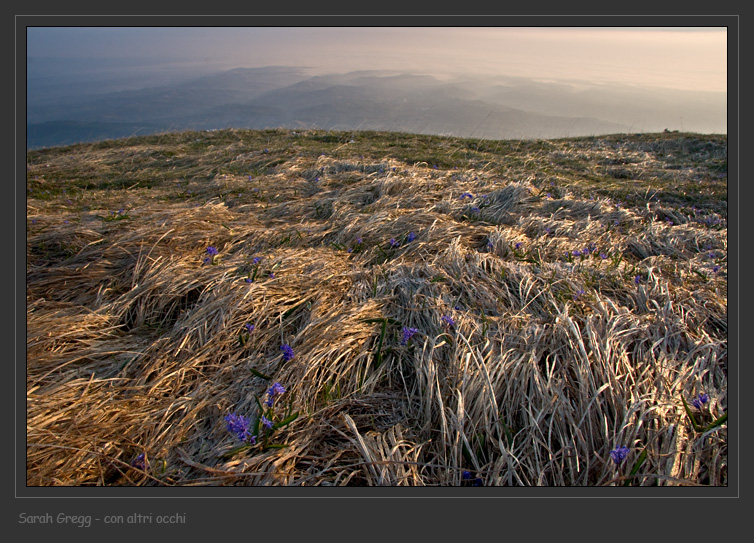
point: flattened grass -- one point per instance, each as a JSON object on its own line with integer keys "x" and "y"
{"x": 588, "y": 296}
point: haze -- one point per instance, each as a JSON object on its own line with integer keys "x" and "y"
{"x": 628, "y": 74}
{"x": 682, "y": 58}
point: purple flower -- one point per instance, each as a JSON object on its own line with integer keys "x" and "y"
{"x": 211, "y": 251}
{"x": 238, "y": 425}
{"x": 256, "y": 260}
{"x": 619, "y": 455}
{"x": 603, "y": 255}
{"x": 274, "y": 391}
{"x": 141, "y": 462}
{"x": 407, "y": 333}
{"x": 272, "y": 275}
{"x": 466, "y": 195}
{"x": 287, "y": 352}
{"x": 267, "y": 423}
{"x": 637, "y": 279}
{"x": 700, "y": 400}
{"x": 475, "y": 209}
{"x": 518, "y": 245}
{"x": 411, "y": 237}
{"x": 394, "y": 243}
{"x": 249, "y": 327}
{"x": 358, "y": 240}
{"x": 447, "y": 319}
{"x": 466, "y": 475}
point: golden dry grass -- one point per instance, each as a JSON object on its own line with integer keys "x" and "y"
{"x": 133, "y": 342}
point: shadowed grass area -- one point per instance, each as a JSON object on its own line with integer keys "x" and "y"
{"x": 439, "y": 311}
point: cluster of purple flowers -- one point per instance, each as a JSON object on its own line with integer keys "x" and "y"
{"x": 591, "y": 248}
{"x": 700, "y": 400}
{"x": 287, "y": 352}
{"x": 448, "y": 320}
{"x": 275, "y": 390}
{"x": 239, "y": 425}
{"x": 249, "y": 327}
{"x": 394, "y": 243}
{"x": 466, "y": 195}
{"x": 212, "y": 252}
{"x": 407, "y": 333}
{"x": 411, "y": 237}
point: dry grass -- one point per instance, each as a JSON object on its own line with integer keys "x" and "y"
{"x": 133, "y": 342}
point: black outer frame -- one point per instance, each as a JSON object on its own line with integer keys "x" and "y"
{"x": 196, "y": 502}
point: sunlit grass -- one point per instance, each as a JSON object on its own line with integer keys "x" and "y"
{"x": 441, "y": 312}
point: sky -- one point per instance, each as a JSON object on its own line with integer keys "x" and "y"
{"x": 678, "y": 58}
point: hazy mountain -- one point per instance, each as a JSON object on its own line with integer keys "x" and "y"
{"x": 494, "y": 108}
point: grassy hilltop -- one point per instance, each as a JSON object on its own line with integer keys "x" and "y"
{"x": 437, "y": 311}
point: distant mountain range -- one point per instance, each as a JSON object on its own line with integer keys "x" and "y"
{"x": 273, "y": 97}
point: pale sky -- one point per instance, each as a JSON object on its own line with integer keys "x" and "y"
{"x": 680, "y": 57}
